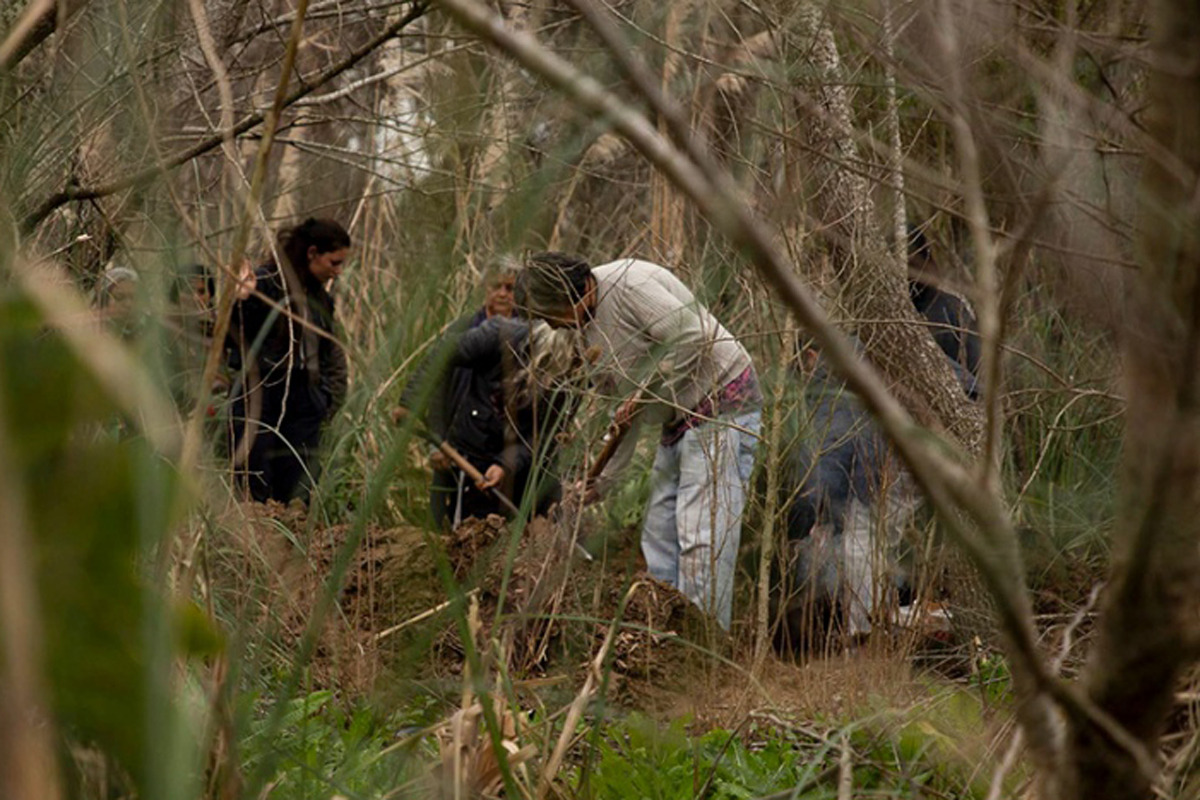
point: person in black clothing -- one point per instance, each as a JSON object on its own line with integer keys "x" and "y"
{"x": 952, "y": 322}
{"x": 493, "y": 389}
{"x": 847, "y": 499}
{"x": 461, "y": 410}
{"x": 291, "y": 374}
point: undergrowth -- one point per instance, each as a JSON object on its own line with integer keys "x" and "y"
{"x": 319, "y": 749}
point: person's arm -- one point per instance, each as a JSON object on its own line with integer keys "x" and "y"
{"x": 246, "y": 320}
{"x": 335, "y": 375}
{"x": 676, "y": 338}
{"x": 252, "y": 316}
{"x": 485, "y": 344}
{"x": 427, "y": 392}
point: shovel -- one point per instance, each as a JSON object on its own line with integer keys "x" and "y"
{"x": 567, "y": 509}
{"x": 460, "y": 461}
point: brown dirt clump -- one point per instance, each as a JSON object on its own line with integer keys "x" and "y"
{"x": 472, "y": 538}
{"x": 557, "y": 609}
{"x": 276, "y": 566}
{"x": 662, "y": 644}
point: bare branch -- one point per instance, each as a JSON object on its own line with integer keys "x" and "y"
{"x": 195, "y": 430}
{"x": 58, "y": 199}
{"x": 39, "y": 20}
{"x": 987, "y": 295}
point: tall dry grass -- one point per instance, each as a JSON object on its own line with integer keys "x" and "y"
{"x": 483, "y": 163}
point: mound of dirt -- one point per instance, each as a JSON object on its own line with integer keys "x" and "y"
{"x": 279, "y": 566}
{"x": 542, "y": 608}
{"x": 555, "y": 609}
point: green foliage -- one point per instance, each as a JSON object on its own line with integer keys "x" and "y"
{"x": 638, "y": 759}
{"x": 318, "y": 748}
{"x": 97, "y": 501}
{"x": 993, "y": 680}
{"x": 1063, "y": 452}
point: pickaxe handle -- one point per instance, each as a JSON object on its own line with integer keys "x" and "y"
{"x": 616, "y": 435}
{"x": 461, "y": 462}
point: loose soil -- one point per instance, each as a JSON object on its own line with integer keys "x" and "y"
{"x": 541, "y": 607}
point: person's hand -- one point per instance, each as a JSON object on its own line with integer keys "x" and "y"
{"x": 491, "y": 478}
{"x": 399, "y": 414}
{"x": 438, "y": 461}
{"x": 246, "y": 282}
{"x": 625, "y": 412}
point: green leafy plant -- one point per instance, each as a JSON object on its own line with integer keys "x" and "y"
{"x": 317, "y": 748}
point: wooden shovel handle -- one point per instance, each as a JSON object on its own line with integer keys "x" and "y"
{"x": 461, "y": 462}
{"x": 616, "y": 435}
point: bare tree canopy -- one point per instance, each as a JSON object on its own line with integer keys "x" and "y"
{"x": 813, "y": 173}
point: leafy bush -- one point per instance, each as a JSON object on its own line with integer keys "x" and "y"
{"x": 637, "y": 759}
{"x": 313, "y": 748}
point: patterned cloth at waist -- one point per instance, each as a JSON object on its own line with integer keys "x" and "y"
{"x": 741, "y": 393}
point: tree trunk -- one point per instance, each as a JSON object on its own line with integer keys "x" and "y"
{"x": 1150, "y": 629}
{"x": 37, "y": 22}
{"x": 874, "y": 286}
{"x": 668, "y": 237}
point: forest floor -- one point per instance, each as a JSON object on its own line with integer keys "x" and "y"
{"x": 414, "y": 609}
{"x": 537, "y": 607}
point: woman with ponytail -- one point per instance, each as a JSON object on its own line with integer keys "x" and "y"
{"x": 291, "y": 371}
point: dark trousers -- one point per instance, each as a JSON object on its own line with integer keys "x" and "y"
{"x": 282, "y": 462}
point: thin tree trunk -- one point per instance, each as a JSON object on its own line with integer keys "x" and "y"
{"x": 895, "y": 147}
{"x": 774, "y": 466}
{"x": 37, "y": 22}
{"x": 667, "y": 223}
{"x": 1150, "y": 629}
{"x": 875, "y": 288}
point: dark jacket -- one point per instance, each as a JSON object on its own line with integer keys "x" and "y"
{"x": 954, "y": 329}
{"x": 461, "y": 387}
{"x": 843, "y": 456}
{"x": 281, "y": 344}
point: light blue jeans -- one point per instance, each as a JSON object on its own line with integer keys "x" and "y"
{"x": 694, "y": 521}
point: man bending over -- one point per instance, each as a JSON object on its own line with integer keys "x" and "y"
{"x": 662, "y": 350}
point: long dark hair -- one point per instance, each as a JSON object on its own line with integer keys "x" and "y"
{"x": 326, "y": 235}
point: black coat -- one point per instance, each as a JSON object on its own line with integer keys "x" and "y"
{"x": 954, "y": 329}
{"x": 288, "y": 380}
{"x": 461, "y": 388}
{"x": 279, "y": 344}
